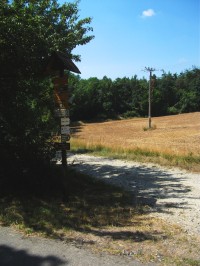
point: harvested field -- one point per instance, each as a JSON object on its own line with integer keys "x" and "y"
{"x": 174, "y": 135}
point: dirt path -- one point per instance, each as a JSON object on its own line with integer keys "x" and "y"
{"x": 172, "y": 194}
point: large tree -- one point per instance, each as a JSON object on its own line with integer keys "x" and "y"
{"x": 29, "y": 31}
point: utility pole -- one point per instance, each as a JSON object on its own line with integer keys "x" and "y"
{"x": 150, "y": 70}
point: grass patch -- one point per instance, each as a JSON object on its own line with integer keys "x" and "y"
{"x": 153, "y": 127}
{"x": 189, "y": 162}
{"x": 71, "y": 202}
{"x": 187, "y": 262}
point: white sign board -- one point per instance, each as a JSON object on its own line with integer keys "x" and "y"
{"x": 65, "y": 130}
{"x": 65, "y": 138}
{"x": 61, "y": 112}
{"x": 65, "y": 121}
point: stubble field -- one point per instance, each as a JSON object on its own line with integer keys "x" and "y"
{"x": 177, "y": 135}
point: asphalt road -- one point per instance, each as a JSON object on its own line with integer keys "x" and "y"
{"x": 18, "y": 250}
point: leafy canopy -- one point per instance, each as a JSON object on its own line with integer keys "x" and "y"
{"x": 29, "y": 31}
{"x": 32, "y": 29}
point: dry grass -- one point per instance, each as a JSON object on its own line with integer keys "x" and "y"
{"x": 177, "y": 135}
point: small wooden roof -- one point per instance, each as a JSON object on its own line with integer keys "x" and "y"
{"x": 59, "y": 61}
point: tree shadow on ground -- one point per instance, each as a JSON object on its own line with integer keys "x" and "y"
{"x": 10, "y": 256}
{"x": 135, "y": 236}
{"x": 40, "y": 204}
{"x": 148, "y": 185}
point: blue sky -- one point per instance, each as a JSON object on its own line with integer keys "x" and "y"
{"x": 133, "y": 34}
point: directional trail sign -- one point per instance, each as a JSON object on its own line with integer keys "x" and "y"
{"x": 65, "y": 121}
{"x": 65, "y": 130}
{"x": 57, "y": 64}
{"x": 65, "y": 137}
{"x": 61, "y": 112}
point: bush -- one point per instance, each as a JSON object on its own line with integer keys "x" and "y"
{"x": 172, "y": 110}
{"x": 130, "y": 114}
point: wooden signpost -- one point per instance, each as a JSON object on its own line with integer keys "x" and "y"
{"x": 58, "y": 62}
{"x": 61, "y": 98}
{"x": 62, "y": 146}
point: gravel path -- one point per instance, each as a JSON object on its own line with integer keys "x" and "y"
{"x": 172, "y": 194}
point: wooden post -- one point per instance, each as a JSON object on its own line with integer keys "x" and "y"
{"x": 60, "y": 61}
{"x": 64, "y": 152}
{"x": 150, "y": 99}
{"x": 150, "y": 70}
{"x": 64, "y": 158}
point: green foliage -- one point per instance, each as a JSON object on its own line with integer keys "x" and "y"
{"x": 29, "y": 32}
{"x": 188, "y": 86}
{"x": 128, "y": 97}
{"x": 130, "y": 114}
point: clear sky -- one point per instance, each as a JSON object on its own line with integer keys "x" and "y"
{"x": 133, "y": 34}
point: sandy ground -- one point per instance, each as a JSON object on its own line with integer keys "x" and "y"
{"x": 172, "y": 194}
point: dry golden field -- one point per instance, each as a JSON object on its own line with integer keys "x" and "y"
{"x": 174, "y": 135}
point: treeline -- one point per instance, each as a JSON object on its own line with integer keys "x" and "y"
{"x": 104, "y": 98}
